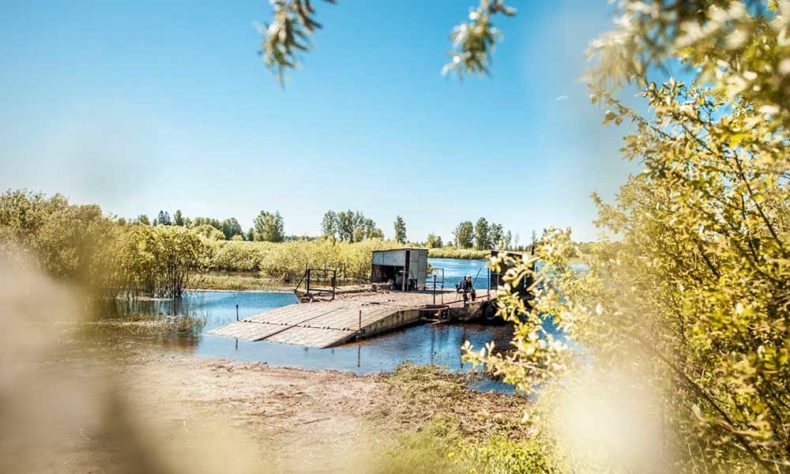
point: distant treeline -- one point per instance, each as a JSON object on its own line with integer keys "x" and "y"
{"x": 162, "y": 258}
{"x": 77, "y": 243}
{"x": 343, "y": 226}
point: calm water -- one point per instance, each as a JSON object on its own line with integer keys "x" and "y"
{"x": 420, "y": 344}
{"x": 456, "y": 269}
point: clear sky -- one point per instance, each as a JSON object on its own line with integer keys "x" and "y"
{"x": 145, "y": 105}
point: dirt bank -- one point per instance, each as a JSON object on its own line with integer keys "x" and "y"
{"x": 129, "y": 409}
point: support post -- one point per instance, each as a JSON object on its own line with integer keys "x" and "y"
{"x": 434, "y": 289}
{"x": 237, "y": 312}
{"x": 359, "y": 330}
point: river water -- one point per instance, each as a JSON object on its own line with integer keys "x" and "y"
{"x": 420, "y": 344}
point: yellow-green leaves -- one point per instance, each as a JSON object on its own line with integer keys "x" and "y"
{"x": 288, "y": 34}
{"x": 474, "y": 41}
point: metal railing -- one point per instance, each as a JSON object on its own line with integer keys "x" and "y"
{"x": 316, "y": 276}
{"x": 434, "y": 283}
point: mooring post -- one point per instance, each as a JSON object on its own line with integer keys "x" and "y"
{"x": 359, "y": 331}
{"x": 434, "y": 289}
{"x": 237, "y": 312}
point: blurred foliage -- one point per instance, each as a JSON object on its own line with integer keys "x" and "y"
{"x": 288, "y": 34}
{"x": 694, "y": 295}
{"x": 293, "y": 22}
{"x": 63, "y": 238}
{"x": 474, "y": 40}
{"x": 440, "y": 447}
{"x": 738, "y": 47}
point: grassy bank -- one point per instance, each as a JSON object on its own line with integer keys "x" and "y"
{"x": 237, "y": 282}
{"x": 459, "y": 431}
{"x": 455, "y": 252}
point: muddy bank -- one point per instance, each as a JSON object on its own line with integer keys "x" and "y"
{"x": 163, "y": 412}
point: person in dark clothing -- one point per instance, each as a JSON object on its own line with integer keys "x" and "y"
{"x": 466, "y": 286}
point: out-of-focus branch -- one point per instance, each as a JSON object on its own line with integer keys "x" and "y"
{"x": 474, "y": 41}
{"x": 293, "y": 22}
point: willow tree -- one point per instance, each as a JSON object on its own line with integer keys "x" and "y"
{"x": 691, "y": 301}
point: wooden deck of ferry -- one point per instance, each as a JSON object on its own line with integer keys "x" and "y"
{"x": 349, "y": 316}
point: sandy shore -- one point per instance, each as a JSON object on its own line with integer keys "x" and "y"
{"x": 151, "y": 410}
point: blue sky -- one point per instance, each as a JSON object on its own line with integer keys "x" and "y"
{"x": 146, "y": 105}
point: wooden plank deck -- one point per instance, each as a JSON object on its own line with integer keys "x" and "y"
{"x": 330, "y": 323}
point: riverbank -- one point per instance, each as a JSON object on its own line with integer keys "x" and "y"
{"x": 190, "y": 414}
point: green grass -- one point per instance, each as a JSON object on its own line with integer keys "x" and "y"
{"x": 464, "y": 431}
{"x": 237, "y": 282}
{"x": 439, "y": 447}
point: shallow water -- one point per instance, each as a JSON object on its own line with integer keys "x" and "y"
{"x": 420, "y": 344}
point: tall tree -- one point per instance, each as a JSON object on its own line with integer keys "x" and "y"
{"x": 496, "y": 236}
{"x": 400, "y": 229}
{"x": 482, "y": 237}
{"x": 345, "y": 225}
{"x": 163, "y": 218}
{"x": 178, "y": 218}
{"x": 329, "y": 224}
{"x": 464, "y": 235}
{"x": 142, "y": 219}
{"x": 269, "y": 227}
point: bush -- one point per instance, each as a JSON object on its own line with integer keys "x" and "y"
{"x": 287, "y": 261}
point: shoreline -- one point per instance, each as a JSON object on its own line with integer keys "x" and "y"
{"x": 282, "y": 419}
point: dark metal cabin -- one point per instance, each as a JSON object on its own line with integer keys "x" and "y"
{"x": 403, "y": 269}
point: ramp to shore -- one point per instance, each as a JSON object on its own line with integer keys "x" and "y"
{"x": 330, "y": 323}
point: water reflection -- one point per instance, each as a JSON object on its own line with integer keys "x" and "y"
{"x": 421, "y": 344}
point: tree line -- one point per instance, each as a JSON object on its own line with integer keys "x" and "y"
{"x": 343, "y": 226}
{"x": 267, "y": 226}
{"x": 481, "y": 235}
